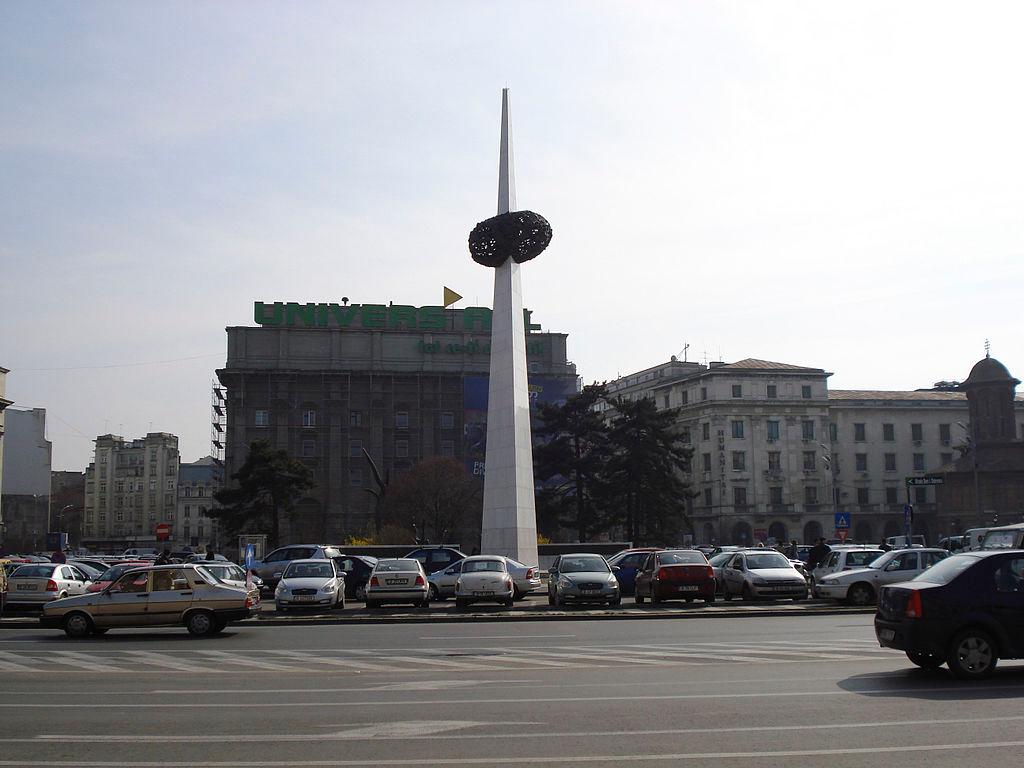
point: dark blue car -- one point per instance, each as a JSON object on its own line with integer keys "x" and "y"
{"x": 629, "y": 561}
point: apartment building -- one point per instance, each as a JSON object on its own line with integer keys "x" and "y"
{"x": 198, "y": 481}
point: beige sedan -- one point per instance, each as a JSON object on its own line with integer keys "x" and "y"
{"x": 154, "y": 596}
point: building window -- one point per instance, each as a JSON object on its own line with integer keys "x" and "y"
{"x": 119, "y": 516}
{"x": 774, "y": 461}
{"x": 262, "y": 418}
{"x": 921, "y": 495}
{"x": 859, "y": 433}
{"x": 707, "y": 498}
{"x": 947, "y": 458}
{"x": 705, "y": 431}
{"x": 447, "y": 447}
{"x": 186, "y": 531}
{"x": 862, "y": 495}
{"x": 805, "y": 391}
{"x": 170, "y": 485}
{"x": 810, "y": 494}
{"x": 684, "y": 396}
{"x": 152, "y": 455}
{"x": 739, "y": 461}
{"x": 447, "y": 420}
{"x": 833, "y": 432}
{"x": 737, "y": 390}
{"x": 775, "y": 495}
{"x": 703, "y": 393}
{"x": 401, "y": 448}
{"x": 773, "y": 430}
{"x": 188, "y": 511}
{"x": 808, "y": 430}
{"x": 737, "y": 429}
{"x": 889, "y": 433}
{"x": 401, "y": 419}
{"x": 772, "y": 392}
{"x": 152, "y": 485}
{"x": 168, "y": 499}
{"x": 355, "y": 477}
{"x": 861, "y": 462}
{"x": 355, "y": 448}
{"x": 916, "y": 433}
{"x": 684, "y": 434}
{"x": 892, "y": 494}
{"x": 739, "y": 497}
{"x": 810, "y": 460}
{"x": 919, "y": 462}
{"x": 944, "y": 435}
{"x": 119, "y": 486}
{"x": 188, "y": 492}
{"x": 309, "y": 448}
{"x": 355, "y": 418}
{"x": 890, "y": 462}
{"x": 665, "y": 401}
{"x": 706, "y": 462}
{"x": 309, "y": 418}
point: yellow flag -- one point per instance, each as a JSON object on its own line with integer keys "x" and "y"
{"x": 450, "y": 296}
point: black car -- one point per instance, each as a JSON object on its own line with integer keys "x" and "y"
{"x": 966, "y": 611}
{"x": 357, "y": 569}
{"x": 436, "y": 558}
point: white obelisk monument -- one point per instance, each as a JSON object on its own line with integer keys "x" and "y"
{"x": 510, "y": 516}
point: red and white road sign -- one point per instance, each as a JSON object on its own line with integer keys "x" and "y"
{"x": 163, "y": 531}
{"x": 841, "y": 534}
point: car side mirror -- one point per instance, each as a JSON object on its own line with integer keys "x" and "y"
{"x": 616, "y": 569}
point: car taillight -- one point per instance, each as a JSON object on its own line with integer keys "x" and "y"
{"x": 710, "y": 572}
{"x": 914, "y": 606}
{"x": 374, "y": 582}
{"x": 529, "y": 573}
{"x": 663, "y": 573}
{"x": 508, "y": 582}
{"x": 419, "y": 581}
{"x": 51, "y": 585}
{"x": 248, "y": 602}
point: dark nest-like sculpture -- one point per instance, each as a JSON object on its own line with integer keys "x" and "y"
{"x": 520, "y": 235}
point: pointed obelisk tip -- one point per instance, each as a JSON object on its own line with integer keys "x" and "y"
{"x": 506, "y": 175}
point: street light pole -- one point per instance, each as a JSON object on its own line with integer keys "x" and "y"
{"x": 972, "y": 442}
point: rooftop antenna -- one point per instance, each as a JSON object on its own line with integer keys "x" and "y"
{"x": 988, "y": 348}
{"x": 686, "y": 348}
{"x": 705, "y": 357}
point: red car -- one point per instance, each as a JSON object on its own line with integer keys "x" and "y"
{"x": 676, "y": 574}
{"x": 114, "y": 573}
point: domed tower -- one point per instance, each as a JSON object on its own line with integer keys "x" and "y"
{"x": 990, "y": 395}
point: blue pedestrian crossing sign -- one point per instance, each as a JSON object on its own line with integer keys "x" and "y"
{"x": 250, "y": 555}
{"x": 842, "y": 521}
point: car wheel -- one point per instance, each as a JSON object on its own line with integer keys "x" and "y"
{"x": 638, "y": 598}
{"x": 861, "y": 594}
{"x": 100, "y": 630}
{"x": 726, "y": 594}
{"x": 516, "y": 594}
{"x": 972, "y": 655}
{"x": 510, "y": 602}
{"x": 747, "y": 594}
{"x": 461, "y": 603}
{"x": 559, "y": 600}
{"x": 200, "y": 623}
{"x": 371, "y": 604}
{"x": 77, "y": 625}
{"x": 925, "y": 660}
{"x": 218, "y": 626}
{"x": 551, "y": 599}
{"x": 709, "y": 600}
{"x": 340, "y": 605}
{"x": 654, "y": 595}
{"x": 434, "y": 594}
{"x": 360, "y": 592}
{"x": 615, "y": 601}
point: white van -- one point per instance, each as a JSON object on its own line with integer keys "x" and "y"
{"x": 140, "y": 552}
{"x": 1004, "y": 537}
{"x": 973, "y": 538}
{"x": 900, "y": 542}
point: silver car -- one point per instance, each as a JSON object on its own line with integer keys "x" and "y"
{"x": 310, "y": 584}
{"x": 484, "y": 579}
{"x": 38, "y": 583}
{"x": 525, "y": 577}
{"x": 397, "y": 580}
{"x": 762, "y": 573}
{"x": 582, "y": 578}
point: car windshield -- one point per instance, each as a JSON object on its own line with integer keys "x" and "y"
{"x": 681, "y": 558}
{"x": 483, "y": 565}
{"x": 225, "y": 571}
{"x": 582, "y": 565}
{"x": 403, "y": 566}
{"x": 767, "y": 560}
{"x": 882, "y": 560}
{"x": 33, "y": 572}
{"x": 1000, "y": 540}
{"x": 720, "y": 558}
{"x": 946, "y": 570}
{"x": 861, "y": 558}
{"x": 309, "y": 571}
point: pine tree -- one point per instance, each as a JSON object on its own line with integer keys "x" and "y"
{"x": 571, "y": 460}
{"x": 265, "y": 491}
{"x": 647, "y": 472}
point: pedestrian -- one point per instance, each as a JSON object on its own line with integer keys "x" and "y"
{"x": 793, "y": 551}
{"x": 209, "y": 554}
{"x": 164, "y": 558}
{"x": 58, "y": 557}
{"x": 818, "y": 554}
{"x": 884, "y": 546}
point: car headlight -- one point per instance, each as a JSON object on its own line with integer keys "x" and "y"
{"x": 281, "y": 590}
{"x": 613, "y": 583}
{"x": 565, "y": 581}
{"x": 329, "y": 588}
{"x": 828, "y": 581}
{"x": 758, "y": 581}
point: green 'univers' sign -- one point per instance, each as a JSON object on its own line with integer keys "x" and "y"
{"x": 376, "y": 316}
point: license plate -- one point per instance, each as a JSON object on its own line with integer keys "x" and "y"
{"x": 590, "y": 591}
{"x": 482, "y": 593}
{"x": 28, "y": 587}
{"x": 305, "y": 598}
{"x": 396, "y": 581}
{"x": 886, "y": 634}
{"x": 688, "y": 588}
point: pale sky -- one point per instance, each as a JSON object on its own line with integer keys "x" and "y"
{"x": 838, "y": 185}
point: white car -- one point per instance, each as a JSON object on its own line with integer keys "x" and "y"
{"x": 310, "y": 584}
{"x": 39, "y": 583}
{"x": 526, "y": 578}
{"x": 846, "y": 558}
{"x": 860, "y": 586}
{"x": 397, "y": 580}
{"x": 762, "y": 573}
{"x": 484, "y": 579}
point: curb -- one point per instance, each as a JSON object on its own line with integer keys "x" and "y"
{"x": 475, "y": 618}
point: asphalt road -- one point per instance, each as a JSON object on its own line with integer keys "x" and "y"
{"x": 758, "y": 691}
